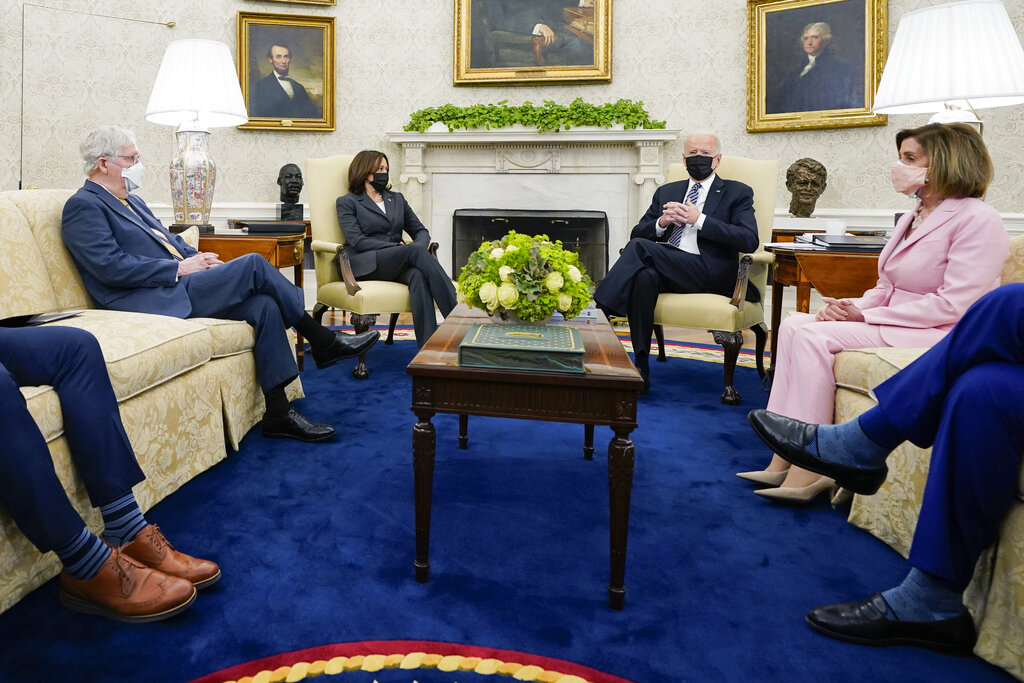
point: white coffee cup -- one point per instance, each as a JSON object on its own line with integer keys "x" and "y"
{"x": 835, "y": 227}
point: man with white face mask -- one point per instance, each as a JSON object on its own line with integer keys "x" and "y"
{"x": 130, "y": 262}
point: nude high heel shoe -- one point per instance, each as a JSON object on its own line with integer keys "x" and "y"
{"x": 764, "y": 477}
{"x": 798, "y": 495}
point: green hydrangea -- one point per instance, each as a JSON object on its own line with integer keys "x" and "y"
{"x": 546, "y": 278}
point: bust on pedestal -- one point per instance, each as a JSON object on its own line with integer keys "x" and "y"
{"x": 289, "y": 178}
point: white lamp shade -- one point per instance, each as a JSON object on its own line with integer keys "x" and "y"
{"x": 945, "y": 53}
{"x": 197, "y": 81}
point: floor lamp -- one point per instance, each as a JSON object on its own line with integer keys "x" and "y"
{"x": 951, "y": 60}
{"x": 196, "y": 89}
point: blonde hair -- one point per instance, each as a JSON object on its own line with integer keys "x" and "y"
{"x": 959, "y": 164}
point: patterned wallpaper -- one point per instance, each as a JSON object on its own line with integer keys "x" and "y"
{"x": 395, "y": 56}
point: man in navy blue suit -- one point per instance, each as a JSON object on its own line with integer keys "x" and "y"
{"x": 689, "y": 241}
{"x": 130, "y": 262}
{"x": 130, "y": 574}
{"x": 965, "y": 398}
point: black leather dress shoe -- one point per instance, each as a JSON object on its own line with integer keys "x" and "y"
{"x": 790, "y": 438}
{"x": 345, "y": 346}
{"x": 865, "y": 623}
{"x": 295, "y": 425}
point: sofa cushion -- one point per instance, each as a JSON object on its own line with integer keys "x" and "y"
{"x": 143, "y": 350}
{"x": 861, "y": 370}
{"x": 24, "y": 280}
{"x": 228, "y": 336}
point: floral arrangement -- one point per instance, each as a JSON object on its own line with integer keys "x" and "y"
{"x": 530, "y": 277}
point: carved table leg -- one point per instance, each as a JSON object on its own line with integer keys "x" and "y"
{"x": 620, "y": 486}
{"x": 588, "y": 442}
{"x": 424, "y": 440}
{"x": 463, "y": 431}
{"x": 362, "y": 323}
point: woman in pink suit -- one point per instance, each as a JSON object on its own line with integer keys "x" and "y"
{"x": 942, "y": 256}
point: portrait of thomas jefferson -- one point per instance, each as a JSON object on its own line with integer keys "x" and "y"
{"x": 805, "y": 70}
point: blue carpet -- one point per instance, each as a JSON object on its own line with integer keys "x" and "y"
{"x": 316, "y": 545}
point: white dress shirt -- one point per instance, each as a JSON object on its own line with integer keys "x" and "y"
{"x": 688, "y": 242}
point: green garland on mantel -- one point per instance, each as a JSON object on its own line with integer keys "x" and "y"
{"x": 548, "y": 117}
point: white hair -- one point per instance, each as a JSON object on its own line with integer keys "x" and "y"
{"x": 105, "y": 141}
{"x": 718, "y": 143}
{"x": 821, "y": 27}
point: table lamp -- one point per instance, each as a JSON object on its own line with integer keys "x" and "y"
{"x": 196, "y": 89}
{"x": 952, "y": 60}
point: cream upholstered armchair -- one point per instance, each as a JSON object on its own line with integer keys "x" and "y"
{"x": 326, "y": 180}
{"x": 723, "y": 317}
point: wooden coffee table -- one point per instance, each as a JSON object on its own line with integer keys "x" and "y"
{"x": 605, "y": 395}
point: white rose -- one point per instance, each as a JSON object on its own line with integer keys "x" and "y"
{"x": 574, "y": 274}
{"x": 489, "y": 295}
{"x": 507, "y": 294}
{"x": 497, "y": 253}
{"x": 564, "y": 302}
{"x": 505, "y": 271}
{"x": 459, "y": 296}
{"x": 554, "y": 281}
{"x": 510, "y": 248}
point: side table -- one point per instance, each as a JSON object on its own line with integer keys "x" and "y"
{"x": 282, "y": 251}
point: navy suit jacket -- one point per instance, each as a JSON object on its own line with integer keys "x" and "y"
{"x": 367, "y": 229}
{"x": 123, "y": 264}
{"x": 729, "y": 227}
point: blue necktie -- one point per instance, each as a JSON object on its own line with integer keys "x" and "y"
{"x": 676, "y": 235}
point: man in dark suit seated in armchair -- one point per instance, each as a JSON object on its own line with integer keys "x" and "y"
{"x": 689, "y": 241}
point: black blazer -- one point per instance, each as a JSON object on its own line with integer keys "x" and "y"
{"x": 269, "y": 99}
{"x": 729, "y": 228}
{"x": 366, "y": 229}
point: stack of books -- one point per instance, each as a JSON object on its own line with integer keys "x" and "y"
{"x": 866, "y": 243}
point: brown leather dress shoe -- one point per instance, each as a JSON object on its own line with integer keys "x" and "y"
{"x": 125, "y": 590}
{"x": 153, "y": 550}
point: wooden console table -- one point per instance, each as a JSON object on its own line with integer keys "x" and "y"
{"x": 605, "y": 395}
{"x": 283, "y": 251}
{"x": 835, "y": 274}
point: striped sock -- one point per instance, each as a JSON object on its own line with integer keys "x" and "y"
{"x": 83, "y": 555}
{"x": 122, "y": 519}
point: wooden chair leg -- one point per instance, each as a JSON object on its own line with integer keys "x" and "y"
{"x": 659, "y": 334}
{"x": 731, "y": 342}
{"x": 318, "y": 312}
{"x": 391, "y": 329}
{"x": 760, "y": 340}
{"x": 362, "y": 323}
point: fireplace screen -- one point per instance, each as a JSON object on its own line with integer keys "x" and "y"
{"x": 585, "y": 232}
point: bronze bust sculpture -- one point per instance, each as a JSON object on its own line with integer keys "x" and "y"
{"x": 805, "y": 178}
{"x": 289, "y": 178}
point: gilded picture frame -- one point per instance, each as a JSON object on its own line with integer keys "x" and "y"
{"x": 532, "y": 41}
{"x": 286, "y": 70}
{"x": 304, "y": 2}
{"x": 848, "y": 40}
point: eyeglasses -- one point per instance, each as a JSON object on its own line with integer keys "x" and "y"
{"x": 134, "y": 158}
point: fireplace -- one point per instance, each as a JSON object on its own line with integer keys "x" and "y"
{"x": 585, "y": 232}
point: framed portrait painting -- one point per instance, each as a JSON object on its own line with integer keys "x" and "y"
{"x": 814, "y": 63}
{"x": 286, "y": 69}
{"x": 532, "y": 41}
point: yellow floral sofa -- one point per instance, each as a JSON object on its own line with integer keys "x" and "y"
{"x": 185, "y": 388}
{"x": 996, "y": 595}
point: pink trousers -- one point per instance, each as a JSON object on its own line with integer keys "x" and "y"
{"x": 804, "y": 386}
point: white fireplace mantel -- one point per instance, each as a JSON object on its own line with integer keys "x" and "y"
{"x": 616, "y": 171}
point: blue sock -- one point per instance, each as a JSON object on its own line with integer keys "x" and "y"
{"x": 83, "y": 555}
{"x": 848, "y": 444}
{"x": 923, "y": 597}
{"x": 122, "y": 519}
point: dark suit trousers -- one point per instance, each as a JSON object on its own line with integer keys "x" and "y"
{"x": 413, "y": 265}
{"x": 965, "y": 396}
{"x": 250, "y": 289}
{"x": 69, "y": 360}
{"x": 644, "y": 270}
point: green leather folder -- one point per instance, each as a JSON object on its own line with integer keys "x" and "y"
{"x": 510, "y": 346}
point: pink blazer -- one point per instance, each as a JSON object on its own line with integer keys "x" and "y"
{"x": 926, "y": 282}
